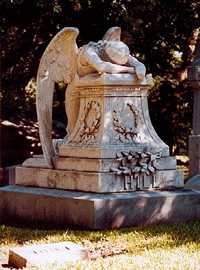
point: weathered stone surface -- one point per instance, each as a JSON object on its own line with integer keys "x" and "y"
{"x": 54, "y": 255}
{"x": 111, "y": 144}
{"x": 62, "y": 61}
{"x": 168, "y": 178}
{"x": 110, "y": 79}
{"x": 111, "y": 128}
{"x": 194, "y": 154}
{"x": 196, "y": 112}
{"x": 50, "y": 208}
{"x": 94, "y": 181}
{"x": 115, "y": 119}
{"x": 37, "y": 162}
{"x": 10, "y": 174}
{"x": 193, "y": 182}
{"x": 194, "y": 139}
{"x": 71, "y": 180}
{"x": 92, "y": 164}
{"x": 1, "y": 176}
{"x": 107, "y": 152}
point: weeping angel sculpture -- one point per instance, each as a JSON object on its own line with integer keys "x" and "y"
{"x": 62, "y": 61}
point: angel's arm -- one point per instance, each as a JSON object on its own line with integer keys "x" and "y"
{"x": 101, "y": 66}
{"x": 139, "y": 67}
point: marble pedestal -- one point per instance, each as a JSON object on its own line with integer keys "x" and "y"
{"x": 105, "y": 174}
{"x": 113, "y": 146}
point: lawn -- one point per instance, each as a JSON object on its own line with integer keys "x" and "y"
{"x": 155, "y": 247}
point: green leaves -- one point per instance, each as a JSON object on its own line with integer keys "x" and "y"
{"x": 57, "y": 8}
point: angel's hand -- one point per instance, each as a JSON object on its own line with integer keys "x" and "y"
{"x": 140, "y": 71}
{"x": 139, "y": 67}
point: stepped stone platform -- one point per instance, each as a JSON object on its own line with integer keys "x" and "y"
{"x": 44, "y": 207}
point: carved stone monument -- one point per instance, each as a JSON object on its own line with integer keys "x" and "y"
{"x": 111, "y": 144}
{"x": 194, "y": 139}
{"x": 102, "y": 172}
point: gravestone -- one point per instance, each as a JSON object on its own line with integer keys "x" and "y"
{"x": 108, "y": 172}
{"x": 194, "y": 139}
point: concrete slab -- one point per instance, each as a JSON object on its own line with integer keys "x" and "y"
{"x": 54, "y": 255}
{"x": 41, "y": 207}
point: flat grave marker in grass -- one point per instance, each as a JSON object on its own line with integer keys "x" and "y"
{"x": 42, "y": 255}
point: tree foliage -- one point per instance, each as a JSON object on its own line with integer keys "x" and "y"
{"x": 160, "y": 33}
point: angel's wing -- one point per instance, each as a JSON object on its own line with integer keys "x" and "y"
{"x": 113, "y": 34}
{"x": 57, "y": 64}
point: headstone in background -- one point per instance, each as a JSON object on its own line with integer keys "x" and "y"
{"x": 194, "y": 139}
{"x": 1, "y": 176}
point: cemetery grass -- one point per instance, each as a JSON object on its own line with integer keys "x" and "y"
{"x": 154, "y": 247}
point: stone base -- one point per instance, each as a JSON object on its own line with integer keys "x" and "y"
{"x": 51, "y": 208}
{"x": 78, "y": 151}
{"x": 193, "y": 182}
{"x": 99, "y": 182}
{"x": 91, "y": 164}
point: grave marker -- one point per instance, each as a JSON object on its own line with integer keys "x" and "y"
{"x": 42, "y": 255}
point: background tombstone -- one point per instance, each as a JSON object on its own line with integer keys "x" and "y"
{"x": 194, "y": 139}
{"x": 1, "y": 168}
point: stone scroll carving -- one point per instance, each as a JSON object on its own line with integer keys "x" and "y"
{"x": 62, "y": 61}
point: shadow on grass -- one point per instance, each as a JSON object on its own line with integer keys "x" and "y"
{"x": 154, "y": 236}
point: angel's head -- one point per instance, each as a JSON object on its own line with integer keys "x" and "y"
{"x": 117, "y": 51}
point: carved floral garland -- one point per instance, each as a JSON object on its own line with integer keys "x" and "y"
{"x": 127, "y": 133}
{"x": 136, "y": 163}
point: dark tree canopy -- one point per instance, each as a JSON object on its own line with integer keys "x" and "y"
{"x": 161, "y": 33}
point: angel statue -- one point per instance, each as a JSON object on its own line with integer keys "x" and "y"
{"x": 62, "y": 61}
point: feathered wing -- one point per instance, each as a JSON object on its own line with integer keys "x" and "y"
{"x": 58, "y": 64}
{"x": 113, "y": 34}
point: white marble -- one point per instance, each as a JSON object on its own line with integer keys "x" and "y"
{"x": 63, "y": 61}
{"x": 111, "y": 144}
